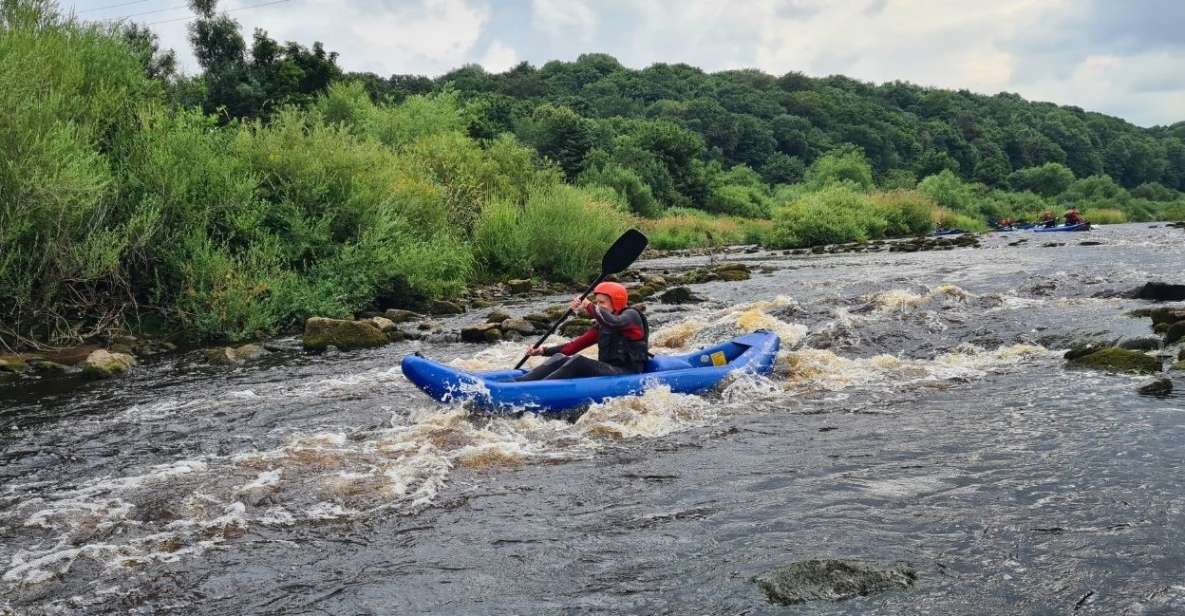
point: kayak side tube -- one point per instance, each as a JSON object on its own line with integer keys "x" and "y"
{"x": 692, "y": 372}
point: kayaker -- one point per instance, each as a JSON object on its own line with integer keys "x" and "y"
{"x": 620, "y": 332}
{"x": 1074, "y": 217}
{"x": 1048, "y": 219}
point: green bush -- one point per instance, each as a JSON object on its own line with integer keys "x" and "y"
{"x": 954, "y": 220}
{"x": 907, "y": 212}
{"x": 948, "y": 191}
{"x": 834, "y": 215}
{"x": 843, "y": 165}
{"x": 561, "y": 232}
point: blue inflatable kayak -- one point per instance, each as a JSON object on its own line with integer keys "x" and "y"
{"x": 1084, "y": 226}
{"x": 687, "y": 373}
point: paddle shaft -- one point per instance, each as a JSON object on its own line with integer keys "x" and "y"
{"x": 568, "y": 313}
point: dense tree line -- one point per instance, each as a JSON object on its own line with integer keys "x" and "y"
{"x": 666, "y": 135}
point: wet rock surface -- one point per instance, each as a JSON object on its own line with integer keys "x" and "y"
{"x": 320, "y": 333}
{"x": 103, "y": 364}
{"x": 832, "y": 580}
{"x": 1114, "y": 359}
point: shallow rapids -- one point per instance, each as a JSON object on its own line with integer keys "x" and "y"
{"x": 919, "y": 411}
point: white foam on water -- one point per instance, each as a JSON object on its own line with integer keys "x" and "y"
{"x": 903, "y": 301}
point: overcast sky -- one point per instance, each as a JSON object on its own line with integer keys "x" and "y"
{"x": 1125, "y": 58}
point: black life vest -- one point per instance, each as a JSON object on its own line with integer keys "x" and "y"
{"x": 616, "y": 350}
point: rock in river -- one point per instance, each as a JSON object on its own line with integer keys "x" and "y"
{"x": 320, "y": 333}
{"x": 1161, "y": 292}
{"x": 1114, "y": 359}
{"x": 831, "y": 580}
{"x": 102, "y": 364}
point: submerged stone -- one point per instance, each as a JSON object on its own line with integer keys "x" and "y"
{"x": 831, "y": 580}
{"x": 1115, "y": 359}
{"x": 1175, "y": 332}
{"x": 1161, "y": 292}
{"x": 1159, "y": 387}
{"x": 1146, "y": 343}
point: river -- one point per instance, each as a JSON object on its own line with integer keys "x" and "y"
{"x": 920, "y": 413}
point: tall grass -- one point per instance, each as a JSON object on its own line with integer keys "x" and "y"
{"x": 1105, "y": 216}
{"x": 685, "y": 228}
{"x": 560, "y": 232}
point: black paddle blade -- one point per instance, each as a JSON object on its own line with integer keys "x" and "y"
{"x": 623, "y": 252}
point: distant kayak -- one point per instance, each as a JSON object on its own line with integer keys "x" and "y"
{"x": 942, "y": 232}
{"x": 692, "y": 372}
{"x": 1085, "y": 226}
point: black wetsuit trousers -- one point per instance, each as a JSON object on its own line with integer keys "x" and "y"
{"x": 570, "y": 367}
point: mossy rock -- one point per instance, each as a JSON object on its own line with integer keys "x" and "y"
{"x": 486, "y": 332}
{"x": 679, "y": 295}
{"x": 102, "y": 364}
{"x": 397, "y": 315}
{"x": 1180, "y": 365}
{"x": 496, "y": 316}
{"x": 1175, "y": 333}
{"x": 321, "y": 333}
{"x": 1115, "y": 359}
{"x": 1146, "y": 343}
{"x": 733, "y": 275}
{"x": 444, "y": 307}
{"x": 640, "y": 293}
{"x": 1159, "y": 387}
{"x": 1166, "y": 315}
{"x": 575, "y": 327}
{"x": 831, "y": 580}
{"x": 521, "y": 285}
{"x": 539, "y": 319}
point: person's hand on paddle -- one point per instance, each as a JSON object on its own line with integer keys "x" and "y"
{"x": 579, "y": 305}
{"x": 534, "y": 351}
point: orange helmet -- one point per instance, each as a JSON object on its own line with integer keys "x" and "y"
{"x": 617, "y": 293}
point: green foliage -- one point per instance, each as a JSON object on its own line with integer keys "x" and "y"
{"x": 560, "y": 232}
{"x": 628, "y": 184}
{"x": 948, "y": 191}
{"x": 1048, "y": 180}
{"x": 845, "y": 165}
{"x": 954, "y": 220}
{"x": 834, "y": 215}
{"x": 688, "y": 228}
{"x": 1105, "y": 216}
{"x": 907, "y": 212}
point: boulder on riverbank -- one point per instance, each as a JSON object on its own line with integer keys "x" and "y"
{"x": 102, "y": 364}
{"x": 1113, "y": 359}
{"x": 831, "y": 580}
{"x": 320, "y": 333}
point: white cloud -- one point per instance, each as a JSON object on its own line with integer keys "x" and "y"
{"x": 564, "y": 18}
{"x": 499, "y": 57}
